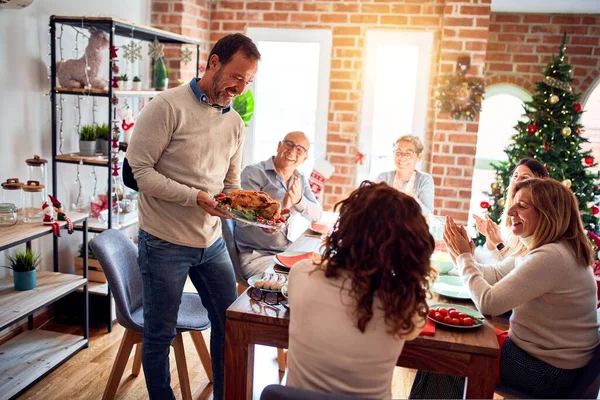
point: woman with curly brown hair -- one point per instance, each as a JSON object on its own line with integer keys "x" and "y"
{"x": 352, "y": 312}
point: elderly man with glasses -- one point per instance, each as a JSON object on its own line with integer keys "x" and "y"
{"x": 279, "y": 177}
{"x": 408, "y": 150}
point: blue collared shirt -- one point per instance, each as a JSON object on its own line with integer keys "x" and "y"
{"x": 204, "y": 98}
{"x": 262, "y": 177}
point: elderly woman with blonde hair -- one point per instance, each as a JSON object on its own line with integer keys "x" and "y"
{"x": 550, "y": 287}
{"x": 408, "y": 150}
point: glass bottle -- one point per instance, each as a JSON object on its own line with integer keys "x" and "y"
{"x": 8, "y": 214}
{"x": 33, "y": 198}
{"x": 37, "y": 171}
{"x": 12, "y": 192}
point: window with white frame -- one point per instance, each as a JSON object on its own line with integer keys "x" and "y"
{"x": 396, "y": 85}
{"x": 502, "y": 108}
{"x": 591, "y": 122}
{"x": 291, "y": 91}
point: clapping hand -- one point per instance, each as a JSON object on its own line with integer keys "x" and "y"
{"x": 294, "y": 193}
{"x": 456, "y": 239}
{"x": 489, "y": 229}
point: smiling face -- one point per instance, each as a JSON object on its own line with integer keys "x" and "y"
{"x": 292, "y": 151}
{"x": 524, "y": 217}
{"x": 229, "y": 80}
{"x": 405, "y": 156}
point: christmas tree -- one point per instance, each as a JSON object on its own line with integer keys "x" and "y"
{"x": 551, "y": 134}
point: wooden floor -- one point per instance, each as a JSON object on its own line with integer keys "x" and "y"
{"x": 85, "y": 375}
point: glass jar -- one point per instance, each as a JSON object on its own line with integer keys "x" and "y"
{"x": 37, "y": 171}
{"x": 33, "y": 198}
{"x": 8, "y": 214}
{"x": 12, "y": 192}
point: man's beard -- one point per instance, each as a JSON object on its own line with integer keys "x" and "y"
{"x": 220, "y": 97}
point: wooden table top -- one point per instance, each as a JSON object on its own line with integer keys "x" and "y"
{"x": 480, "y": 341}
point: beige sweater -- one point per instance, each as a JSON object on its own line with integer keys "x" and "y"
{"x": 553, "y": 301}
{"x": 181, "y": 146}
{"x": 327, "y": 352}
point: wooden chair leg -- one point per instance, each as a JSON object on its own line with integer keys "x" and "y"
{"x": 281, "y": 359}
{"x": 129, "y": 339}
{"x": 137, "y": 360}
{"x": 182, "y": 371}
{"x": 203, "y": 352}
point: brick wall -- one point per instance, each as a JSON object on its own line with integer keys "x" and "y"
{"x": 188, "y": 18}
{"x": 520, "y": 46}
{"x": 516, "y": 48}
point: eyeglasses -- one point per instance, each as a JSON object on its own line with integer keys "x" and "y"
{"x": 271, "y": 298}
{"x": 300, "y": 150}
{"x": 403, "y": 154}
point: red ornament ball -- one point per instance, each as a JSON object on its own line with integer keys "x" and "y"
{"x": 577, "y": 131}
{"x": 485, "y": 204}
{"x": 595, "y": 210}
{"x": 589, "y": 160}
{"x": 532, "y": 128}
{"x": 577, "y": 107}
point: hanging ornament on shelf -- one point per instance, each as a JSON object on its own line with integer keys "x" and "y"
{"x": 186, "y": 55}
{"x": 156, "y": 50}
{"x": 484, "y": 204}
{"x": 115, "y": 68}
{"x": 532, "y": 128}
{"x": 132, "y": 51}
{"x": 567, "y": 183}
{"x": 577, "y": 108}
{"x": 589, "y": 160}
{"x": 566, "y": 131}
{"x": 113, "y": 52}
{"x": 115, "y": 141}
{"x": 553, "y": 99}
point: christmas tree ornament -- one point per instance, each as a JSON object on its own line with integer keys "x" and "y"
{"x": 554, "y": 99}
{"x": 49, "y": 219}
{"x": 132, "y": 51}
{"x": 501, "y": 202}
{"x": 156, "y": 50}
{"x": 113, "y": 52}
{"x": 595, "y": 210}
{"x": 495, "y": 186}
{"x": 556, "y": 83}
{"x": 566, "y": 131}
{"x": 60, "y": 214}
{"x": 567, "y": 183}
{"x": 589, "y": 160}
{"x": 484, "y": 204}
{"x": 186, "y": 55}
{"x": 577, "y": 131}
{"x": 532, "y": 128}
{"x": 115, "y": 68}
{"x": 577, "y": 108}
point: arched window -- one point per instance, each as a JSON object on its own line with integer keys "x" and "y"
{"x": 501, "y": 109}
{"x": 591, "y": 122}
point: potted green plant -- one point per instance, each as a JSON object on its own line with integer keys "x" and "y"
{"x": 95, "y": 271}
{"x": 137, "y": 83}
{"x": 160, "y": 78}
{"x": 23, "y": 264}
{"x": 244, "y": 105}
{"x": 102, "y": 134}
{"x": 87, "y": 140}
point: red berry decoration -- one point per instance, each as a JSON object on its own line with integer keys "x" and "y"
{"x": 532, "y": 128}
{"x": 485, "y": 204}
{"x": 577, "y": 107}
{"x": 589, "y": 160}
{"x": 595, "y": 210}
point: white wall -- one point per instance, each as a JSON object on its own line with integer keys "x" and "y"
{"x": 25, "y": 111}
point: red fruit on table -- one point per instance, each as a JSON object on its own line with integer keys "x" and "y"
{"x": 462, "y": 315}
{"x": 443, "y": 311}
{"x": 467, "y": 321}
{"x": 447, "y": 320}
{"x": 438, "y": 317}
{"x": 455, "y": 321}
{"x": 453, "y": 314}
{"x": 432, "y": 312}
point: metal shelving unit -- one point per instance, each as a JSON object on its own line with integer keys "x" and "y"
{"x": 114, "y": 27}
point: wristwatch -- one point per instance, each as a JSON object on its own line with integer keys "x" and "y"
{"x": 500, "y": 246}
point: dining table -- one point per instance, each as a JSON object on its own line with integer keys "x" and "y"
{"x": 471, "y": 353}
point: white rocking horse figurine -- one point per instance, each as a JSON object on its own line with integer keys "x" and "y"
{"x": 72, "y": 73}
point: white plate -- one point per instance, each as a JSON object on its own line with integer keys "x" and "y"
{"x": 253, "y": 223}
{"x": 255, "y": 278}
{"x": 451, "y": 286}
{"x": 284, "y": 291}
{"x": 286, "y": 254}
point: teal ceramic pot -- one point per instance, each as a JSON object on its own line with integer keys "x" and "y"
{"x": 24, "y": 280}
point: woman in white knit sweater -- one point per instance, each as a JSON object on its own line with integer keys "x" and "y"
{"x": 551, "y": 290}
